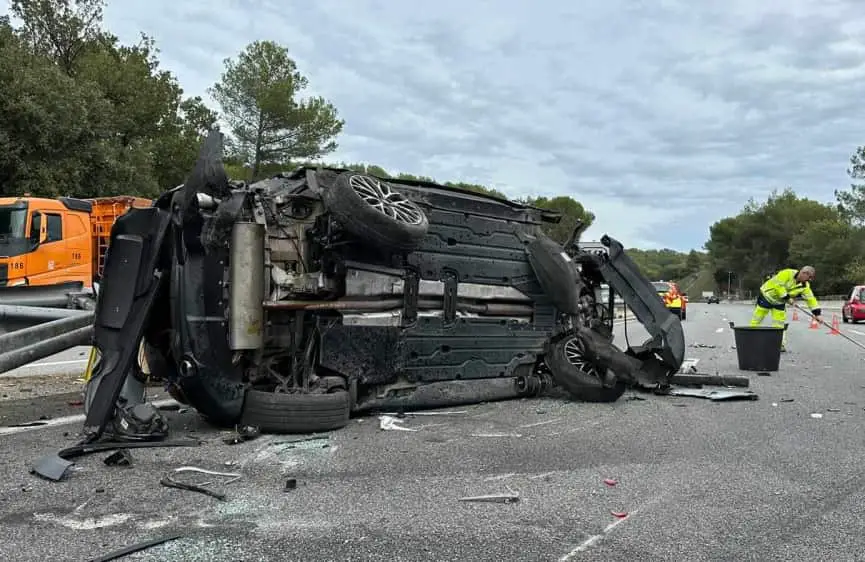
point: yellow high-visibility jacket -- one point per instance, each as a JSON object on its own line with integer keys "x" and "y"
{"x": 783, "y": 285}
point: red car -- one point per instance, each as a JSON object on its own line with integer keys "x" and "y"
{"x": 854, "y": 309}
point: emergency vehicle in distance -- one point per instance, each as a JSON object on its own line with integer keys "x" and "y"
{"x": 672, "y": 297}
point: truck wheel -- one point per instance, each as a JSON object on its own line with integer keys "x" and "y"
{"x": 373, "y": 210}
{"x": 277, "y": 412}
{"x": 570, "y": 369}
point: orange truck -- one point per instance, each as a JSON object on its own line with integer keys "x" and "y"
{"x": 53, "y": 250}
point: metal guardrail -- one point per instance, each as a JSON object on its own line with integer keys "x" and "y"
{"x": 39, "y": 332}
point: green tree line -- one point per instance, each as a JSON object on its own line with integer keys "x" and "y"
{"x": 82, "y": 114}
{"x": 787, "y": 230}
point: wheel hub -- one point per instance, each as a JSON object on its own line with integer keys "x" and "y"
{"x": 575, "y": 354}
{"x": 380, "y": 196}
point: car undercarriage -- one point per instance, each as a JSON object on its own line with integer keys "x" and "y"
{"x": 291, "y": 303}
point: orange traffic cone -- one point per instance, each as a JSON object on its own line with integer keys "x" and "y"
{"x": 813, "y": 325}
{"x": 795, "y": 314}
{"x": 835, "y": 325}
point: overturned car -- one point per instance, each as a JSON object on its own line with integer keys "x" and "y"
{"x": 290, "y": 303}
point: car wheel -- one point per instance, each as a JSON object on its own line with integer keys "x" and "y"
{"x": 844, "y": 317}
{"x": 278, "y": 412}
{"x": 374, "y": 211}
{"x": 581, "y": 379}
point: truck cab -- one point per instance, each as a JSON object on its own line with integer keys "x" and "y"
{"x": 45, "y": 242}
{"x": 51, "y": 248}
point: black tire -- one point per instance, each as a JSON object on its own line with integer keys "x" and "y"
{"x": 844, "y": 317}
{"x": 581, "y": 383}
{"x": 372, "y": 225}
{"x": 556, "y": 273}
{"x": 275, "y": 412}
{"x": 684, "y": 314}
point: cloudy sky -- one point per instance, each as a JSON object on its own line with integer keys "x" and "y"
{"x": 660, "y": 116}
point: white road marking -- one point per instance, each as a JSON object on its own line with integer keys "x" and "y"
{"x": 595, "y": 539}
{"x": 719, "y": 330}
{"x": 541, "y": 475}
{"x": 500, "y": 476}
{"x": 536, "y": 424}
{"x": 858, "y": 333}
{"x": 35, "y": 370}
{"x": 54, "y": 363}
{"x": 86, "y": 524}
{"x": 65, "y": 420}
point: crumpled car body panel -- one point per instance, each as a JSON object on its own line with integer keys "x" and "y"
{"x": 637, "y": 292}
{"x": 133, "y": 274}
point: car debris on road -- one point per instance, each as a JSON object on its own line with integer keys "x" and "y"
{"x": 492, "y": 498}
{"x": 715, "y": 394}
{"x": 137, "y": 547}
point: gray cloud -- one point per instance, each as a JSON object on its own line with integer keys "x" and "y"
{"x": 661, "y": 117}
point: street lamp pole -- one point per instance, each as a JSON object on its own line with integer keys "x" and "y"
{"x": 729, "y": 283}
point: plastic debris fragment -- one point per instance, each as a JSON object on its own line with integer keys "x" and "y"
{"x": 392, "y": 423}
{"x": 492, "y": 498}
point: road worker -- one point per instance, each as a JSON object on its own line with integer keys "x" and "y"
{"x": 782, "y": 289}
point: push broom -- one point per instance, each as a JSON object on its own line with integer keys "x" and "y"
{"x": 838, "y": 332}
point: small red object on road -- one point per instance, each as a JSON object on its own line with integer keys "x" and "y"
{"x": 610, "y": 482}
{"x": 619, "y": 514}
{"x": 76, "y": 403}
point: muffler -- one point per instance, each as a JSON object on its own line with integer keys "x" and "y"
{"x": 246, "y": 286}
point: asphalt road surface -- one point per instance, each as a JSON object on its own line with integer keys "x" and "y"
{"x": 699, "y": 480}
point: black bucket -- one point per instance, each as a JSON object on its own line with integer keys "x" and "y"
{"x": 758, "y": 348}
